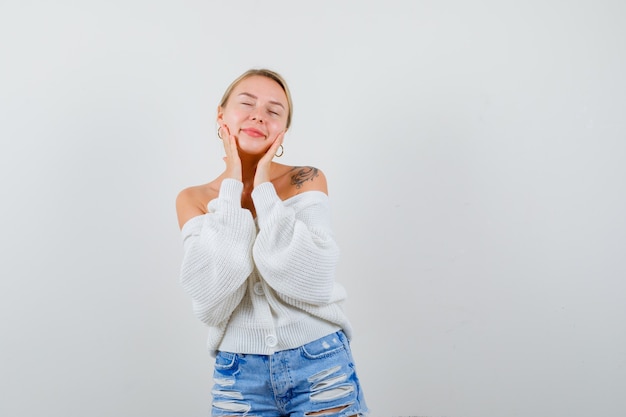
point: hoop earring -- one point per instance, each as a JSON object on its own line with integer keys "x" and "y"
{"x": 282, "y": 151}
{"x": 218, "y": 132}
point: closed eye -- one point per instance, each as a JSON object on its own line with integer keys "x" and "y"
{"x": 274, "y": 111}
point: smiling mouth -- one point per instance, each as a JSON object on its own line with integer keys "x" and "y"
{"x": 253, "y": 132}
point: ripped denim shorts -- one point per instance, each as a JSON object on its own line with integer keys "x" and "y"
{"x": 312, "y": 379}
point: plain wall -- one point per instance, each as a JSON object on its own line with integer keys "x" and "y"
{"x": 475, "y": 156}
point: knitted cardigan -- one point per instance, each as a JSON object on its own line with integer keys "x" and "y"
{"x": 268, "y": 284}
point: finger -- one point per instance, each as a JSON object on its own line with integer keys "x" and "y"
{"x": 280, "y": 137}
{"x": 225, "y": 129}
{"x": 273, "y": 147}
{"x": 228, "y": 140}
{"x": 233, "y": 145}
{"x": 277, "y": 142}
{"x": 232, "y": 140}
{"x": 222, "y": 133}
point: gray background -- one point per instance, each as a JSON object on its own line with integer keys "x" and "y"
{"x": 475, "y": 155}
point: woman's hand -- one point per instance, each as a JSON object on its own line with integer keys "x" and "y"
{"x": 233, "y": 162}
{"x": 263, "y": 167}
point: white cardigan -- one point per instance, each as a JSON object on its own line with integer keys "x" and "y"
{"x": 268, "y": 285}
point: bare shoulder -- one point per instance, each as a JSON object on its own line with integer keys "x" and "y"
{"x": 192, "y": 201}
{"x": 308, "y": 178}
{"x": 295, "y": 180}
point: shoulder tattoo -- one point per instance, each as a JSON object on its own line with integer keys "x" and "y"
{"x": 302, "y": 174}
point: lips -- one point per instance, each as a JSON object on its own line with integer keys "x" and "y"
{"x": 255, "y": 133}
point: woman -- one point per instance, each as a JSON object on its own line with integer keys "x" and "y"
{"x": 259, "y": 264}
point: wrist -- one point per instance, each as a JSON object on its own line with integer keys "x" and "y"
{"x": 259, "y": 181}
{"x": 261, "y": 176}
{"x": 234, "y": 174}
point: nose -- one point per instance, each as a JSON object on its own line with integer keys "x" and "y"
{"x": 256, "y": 116}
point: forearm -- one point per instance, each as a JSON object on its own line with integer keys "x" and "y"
{"x": 295, "y": 250}
{"x": 217, "y": 256}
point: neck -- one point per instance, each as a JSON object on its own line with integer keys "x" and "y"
{"x": 248, "y": 169}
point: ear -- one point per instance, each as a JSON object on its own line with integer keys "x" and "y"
{"x": 220, "y": 114}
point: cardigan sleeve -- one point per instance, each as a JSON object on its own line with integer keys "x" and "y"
{"x": 217, "y": 256}
{"x": 295, "y": 250}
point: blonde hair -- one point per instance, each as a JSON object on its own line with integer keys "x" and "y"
{"x": 263, "y": 72}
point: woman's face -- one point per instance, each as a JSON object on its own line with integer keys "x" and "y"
{"x": 256, "y": 112}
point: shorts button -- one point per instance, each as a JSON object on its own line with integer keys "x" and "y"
{"x": 258, "y": 288}
{"x": 271, "y": 340}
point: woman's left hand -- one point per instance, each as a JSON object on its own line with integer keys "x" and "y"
{"x": 263, "y": 167}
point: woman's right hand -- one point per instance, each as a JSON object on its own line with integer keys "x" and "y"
{"x": 233, "y": 163}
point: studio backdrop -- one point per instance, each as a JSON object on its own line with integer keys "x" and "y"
{"x": 474, "y": 152}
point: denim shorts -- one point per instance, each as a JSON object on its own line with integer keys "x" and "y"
{"x": 315, "y": 377}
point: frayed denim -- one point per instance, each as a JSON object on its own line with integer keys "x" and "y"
{"x": 304, "y": 381}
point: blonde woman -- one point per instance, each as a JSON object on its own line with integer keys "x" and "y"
{"x": 259, "y": 265}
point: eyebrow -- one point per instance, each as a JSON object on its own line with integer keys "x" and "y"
{"x": 278, "y": 103}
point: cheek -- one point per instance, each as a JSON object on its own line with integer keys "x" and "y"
{"x": 234, "y": 116}
{"x": 232, "y": 121}
{"x": 277, "y": 126}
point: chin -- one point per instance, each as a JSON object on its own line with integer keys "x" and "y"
{"x": 253, "y": 152}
